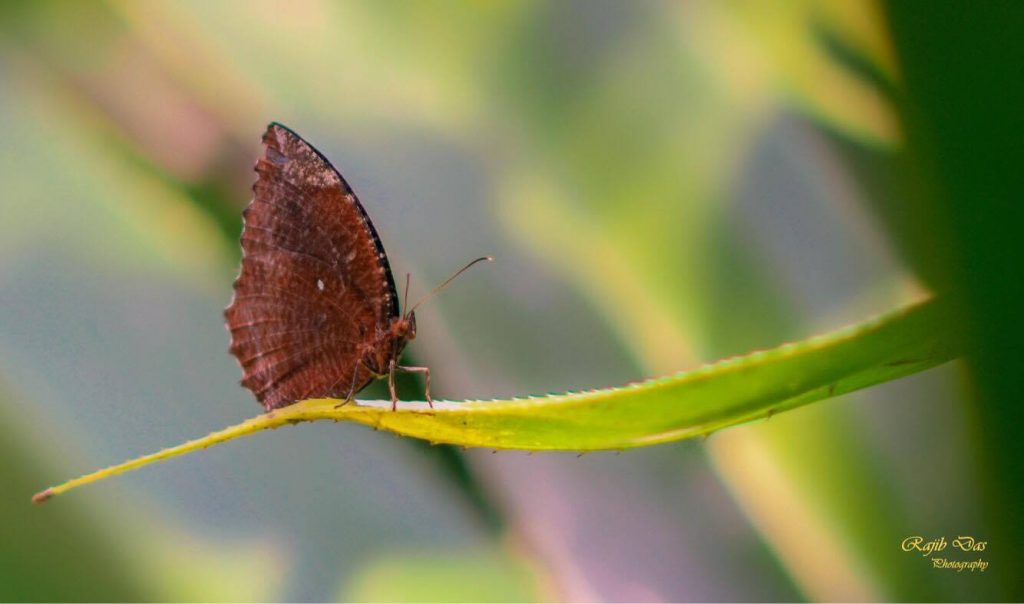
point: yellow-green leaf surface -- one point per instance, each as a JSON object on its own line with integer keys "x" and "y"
{"x": 691, "y": 403}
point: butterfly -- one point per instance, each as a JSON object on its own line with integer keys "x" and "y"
{"x": 315, "y": 311}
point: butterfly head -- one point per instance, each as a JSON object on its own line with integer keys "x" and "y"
{"x": 404, "y": 329}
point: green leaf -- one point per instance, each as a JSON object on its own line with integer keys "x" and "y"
{"x": 687, "y": 404}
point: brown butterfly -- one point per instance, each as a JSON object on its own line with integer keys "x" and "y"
{"x": 315, "y": 311}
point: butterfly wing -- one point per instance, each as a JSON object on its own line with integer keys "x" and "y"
{"x": 315, "y": 282}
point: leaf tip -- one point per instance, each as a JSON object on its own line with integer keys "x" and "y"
{"x": 42, "y": 496}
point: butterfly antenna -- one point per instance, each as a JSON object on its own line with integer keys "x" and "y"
{"x": 446, "y": 282}
{"x": 405, "y": 296}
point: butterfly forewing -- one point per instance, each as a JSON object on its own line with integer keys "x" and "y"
{"x": 314, "y": 282}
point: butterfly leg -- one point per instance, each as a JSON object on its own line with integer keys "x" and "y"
{"x": 391, "y": 386}
{"x": 351, "y": 388}
{"x": 426, "y": 378}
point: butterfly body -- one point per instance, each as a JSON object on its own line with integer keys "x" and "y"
{"x": 386, "y": 346}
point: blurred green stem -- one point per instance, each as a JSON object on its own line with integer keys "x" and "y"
{"x": 962, "y": 108}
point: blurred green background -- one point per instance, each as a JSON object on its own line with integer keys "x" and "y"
{"x": 663, "y": 184}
